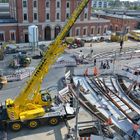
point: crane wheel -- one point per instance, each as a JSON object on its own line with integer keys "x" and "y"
{"x": 33, "y": 124}
{"x": 15, "y": 126}
{"x": 1, "y": 85}
{"x": 53, "y": 121}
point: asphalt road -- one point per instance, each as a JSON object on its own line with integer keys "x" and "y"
{"x": 55, "y": 133}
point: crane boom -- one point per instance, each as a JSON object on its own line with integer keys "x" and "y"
{"x": 31, "y": 102}
{"x": 55, "y": 49}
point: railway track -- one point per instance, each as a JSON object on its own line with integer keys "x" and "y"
{"x": 115, "y": 99}
{"x": 134, "y": 96}
{"x": 108, "y": 90}
{"x": 92, "y": 108}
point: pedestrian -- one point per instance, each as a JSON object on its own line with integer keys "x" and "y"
{"x": 121, "y": 45}
{"x": 139, "y": 86}
{"x": 104, "y": 66}
{"x": 95, "y": 71}
{"x": 109, "y": 120}
{"x": 134, "y": 88}
{"x": 91, "y": 52}
{"x": 86, "y": 72}
{"x": 101, "y": 66}
{"x": 135, "y": 129}
{"x": 95, "y": 62}
{"x": 107, "y": 64}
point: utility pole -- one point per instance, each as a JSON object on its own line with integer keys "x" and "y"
{"x": 77, "y": 111}
{"x": 114, "y": 62}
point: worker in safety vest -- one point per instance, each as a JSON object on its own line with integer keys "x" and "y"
{"x": 86, "y": 72}
{"x": 95, "y": 71}
{"x": 135, "y": 129}
{"x": 109, "y": 121}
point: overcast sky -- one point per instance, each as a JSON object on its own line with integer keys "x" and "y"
{"x": 129, "y": 0}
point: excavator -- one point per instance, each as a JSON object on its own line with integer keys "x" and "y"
{"x": 32, "y": 106}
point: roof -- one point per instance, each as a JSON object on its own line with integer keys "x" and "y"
{"x": 8, "y": 21}
{"x": 114, "y": 15}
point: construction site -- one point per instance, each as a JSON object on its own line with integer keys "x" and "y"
{"x": 70, "y": 88}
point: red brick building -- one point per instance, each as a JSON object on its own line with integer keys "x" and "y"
{"x": 50, "y": 16}
{"x": 120, "y": 22}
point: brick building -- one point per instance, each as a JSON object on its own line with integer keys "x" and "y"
{"x": 50, "y": 16}
{"x": 120, "y": 22}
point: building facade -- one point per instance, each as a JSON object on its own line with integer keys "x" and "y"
{"x": 120, "y": 22}
{"x": 101, "y": 4}
{"x": 50, "y": 16}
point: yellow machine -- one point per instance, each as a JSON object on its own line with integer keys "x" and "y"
{"x": 1, "y": 52}
{"x": 3, "y": 81}
{"x": 31, "y": 105}
{"x": 118, "y": 36}
{"x": 135, "y": 34}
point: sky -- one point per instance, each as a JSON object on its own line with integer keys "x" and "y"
{"x": 129, "y": 0}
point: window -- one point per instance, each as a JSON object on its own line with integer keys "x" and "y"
{"x": 98, "y": 31}
{"x": 92, "y": 30}
{"x": 57, "y": 16}
{"x": 77, "y": 32}
{"x": 47, "y": 4}
{"x": 85, "y": 15}
{"x": 85, "y": 31}
{"x": 35, "y": 4}
{"x": 105, "y": 30}
{"x": 2, "y": 37}
{"x": 12, "y": 35}
{"x": 67, "y": 15}
{"x": 47, "y": 16}
{"x": 24, "y": 4}
{"x": 68, "y": 4}
{"x": 35, "y": 16}
{"x": 58, "y": 4}
{"x": 25, "y": 16}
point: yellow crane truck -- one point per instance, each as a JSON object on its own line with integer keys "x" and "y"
{"x": 32, "y": 106}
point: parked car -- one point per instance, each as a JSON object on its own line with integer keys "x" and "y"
{"x": 95, "y": 38}
{"x": 10, "y": 48}
{"x": 87, "y": 39}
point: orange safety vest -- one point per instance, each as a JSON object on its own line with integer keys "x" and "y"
{"x": 95, "y": 71}
{"x": 109, "y": 121}
{"x": 136, "y": 127}
{"x": 86, "y": 72}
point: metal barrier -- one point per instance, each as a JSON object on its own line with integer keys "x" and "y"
{"x": 19, "y": 75}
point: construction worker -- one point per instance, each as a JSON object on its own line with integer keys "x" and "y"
{"x": 121, "y": 45}
{"x": 109, "y": 121}
{"x": 86, "y": 72}
{"x": 135, "y": 129}
{"x": 95, "y": 71}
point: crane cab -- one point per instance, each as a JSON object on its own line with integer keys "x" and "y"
{"x": 45, "y": 99}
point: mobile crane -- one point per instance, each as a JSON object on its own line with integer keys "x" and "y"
{"x": 32, "y": 106}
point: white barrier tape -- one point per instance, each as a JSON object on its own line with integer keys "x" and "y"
{"x": 19, "y": 76}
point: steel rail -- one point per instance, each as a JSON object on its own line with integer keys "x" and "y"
{"x": 107, "y": 95}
